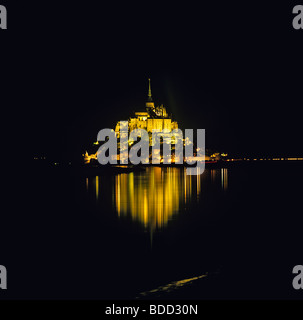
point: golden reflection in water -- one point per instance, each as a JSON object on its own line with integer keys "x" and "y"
{"x": 97, "y": 188}
{"x": 154, "y": 196}
{"x": 213, "y": 175}
{"x": 224, "y": 179}
{"x": 217, "y": 174}
{"x": 175, "y": 285}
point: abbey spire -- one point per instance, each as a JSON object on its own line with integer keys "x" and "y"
{"x": 149, "y": 92}
{"x": 149, "y": 103}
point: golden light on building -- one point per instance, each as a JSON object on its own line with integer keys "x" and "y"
{"x": 160, "y": 127}
{"x": 88, "y": 158}
{"x": 152, "y": 118}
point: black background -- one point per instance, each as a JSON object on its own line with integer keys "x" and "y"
{"x": 72, "y": 68}
{"x": 69, "y": 69}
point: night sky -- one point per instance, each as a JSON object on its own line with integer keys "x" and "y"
{"x": 234, "y": 69}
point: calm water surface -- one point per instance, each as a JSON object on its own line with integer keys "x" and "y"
{"x": 152, "y": 199}
{"x": 119, "y": 236}
{"x": 166, "y": 216}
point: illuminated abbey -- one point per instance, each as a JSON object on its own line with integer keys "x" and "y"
{"x": 159, "y": 125}
{"x": 153, "y": 118}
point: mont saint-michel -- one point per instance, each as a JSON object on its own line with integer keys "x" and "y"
{"x": 160, "y": 129}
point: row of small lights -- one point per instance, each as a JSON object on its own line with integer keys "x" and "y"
{"x": 44, "y": 158}
{"x": 266, "y": 159}
{"x": 289, "y": 159}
